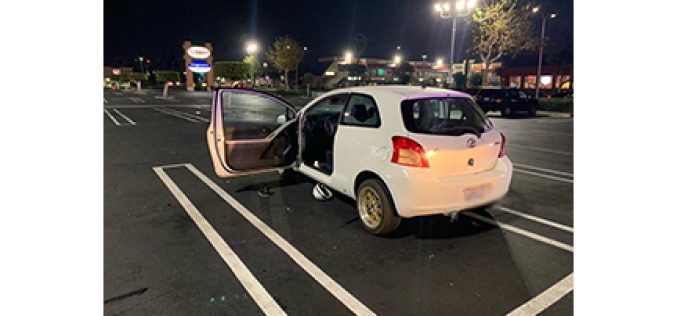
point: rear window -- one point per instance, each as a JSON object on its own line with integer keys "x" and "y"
{"x": 444, "y": 116}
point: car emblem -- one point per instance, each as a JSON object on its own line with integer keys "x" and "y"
{"x": 471, "y": 162}
{"x": 471, "y": 143}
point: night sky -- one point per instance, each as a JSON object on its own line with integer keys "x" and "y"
{"x": 156, "y": 29}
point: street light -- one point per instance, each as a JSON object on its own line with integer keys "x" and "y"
{"x": 540, "y": 46}
{"x": 251, "y": 47}
{"x": 439, "y": 62}
{"x": 463, "y": 8}
{"x": 348, "y": 57}
{"x": 397, "y": 59}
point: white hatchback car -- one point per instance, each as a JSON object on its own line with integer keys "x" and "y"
{"x": 399, "y": 151}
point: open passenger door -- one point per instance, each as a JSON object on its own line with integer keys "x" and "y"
{"x": 251, "y": 132}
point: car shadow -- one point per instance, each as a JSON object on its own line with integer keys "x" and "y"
{"x": 440, "y": 226}
{"x": 281, "y": 181}
{"x": 424, "y": 227}
{"x": 434, "y": 226}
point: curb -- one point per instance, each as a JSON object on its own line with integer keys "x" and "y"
{"x": 555, "y": 114}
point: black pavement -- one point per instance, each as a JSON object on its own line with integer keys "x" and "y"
{"x": 157, "y": 261}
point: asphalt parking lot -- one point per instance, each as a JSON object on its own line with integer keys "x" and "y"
{"x": 178, "y": 240}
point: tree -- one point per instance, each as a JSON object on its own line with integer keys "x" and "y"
{"x": 230, "y": 69}
{"x": 502, "y": 28}
{"x": 476, "y": 79}
{"x": 459, "y": 80}
{"x": 307, "y": 78}
{"x": 252, "y": 66}
{"x": 285, "y": 54}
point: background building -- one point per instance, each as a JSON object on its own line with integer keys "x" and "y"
{"x": 370, "y": 71}
{"x": 553, "y": 78}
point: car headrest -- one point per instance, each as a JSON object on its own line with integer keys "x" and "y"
{"x": 360, "y": 113}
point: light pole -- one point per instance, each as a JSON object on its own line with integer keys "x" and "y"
{"x": 305, "y": 49}
{"x": 462, "y": 9}
{"x": 540, "y": 47}
{"x": 251, "y": 48}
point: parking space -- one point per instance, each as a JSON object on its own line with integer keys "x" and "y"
{"x": 178, "y": 238}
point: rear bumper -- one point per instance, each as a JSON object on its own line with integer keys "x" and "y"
{"x": 418, "y": 192}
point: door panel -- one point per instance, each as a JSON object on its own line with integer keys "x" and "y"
{"x": 251, "y": 132}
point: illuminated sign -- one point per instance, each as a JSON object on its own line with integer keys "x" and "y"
{"x": 199, "y": 66}
{"x": 116, "y": 71}
{"x": 198, "y": 52}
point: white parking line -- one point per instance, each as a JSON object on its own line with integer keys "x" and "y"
{"x": 111, "y": 117}
{"x": 542, "y": 301}
{"x": 187, "y": 118}
{"x": 562, "y": 173}
{"x": 136, "y": 99}
{"x": 535, "y": 218}
{"x": 124, "y": 116}
{"x": 519, "y": 231}
{"x": 240, "y": 270}
{"x": 322, "y": 278}
{"x": 540, "y": 149}
{"x": 542, "y": 175}
{"x": 197, "y": 117}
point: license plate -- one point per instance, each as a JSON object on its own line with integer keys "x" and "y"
{"x": 476, "y": 192}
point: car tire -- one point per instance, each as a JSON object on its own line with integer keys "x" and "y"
{"x": 506, "y": 111}
{"x": 376, "y": 208}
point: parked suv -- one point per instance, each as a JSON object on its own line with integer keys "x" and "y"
{"x": 508, "y": 101}
{"x": 399, "y": 151}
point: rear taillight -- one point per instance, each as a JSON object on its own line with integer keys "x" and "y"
{"x": 501, "y": 152}
{"x": 408, "y": 152}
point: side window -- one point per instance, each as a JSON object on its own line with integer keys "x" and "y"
{"x": 522, "y": 95}
{"x": 329, "y": 105}
{"x": 252, "y": 116}
{"x": 254, "y": 109}
{"x": 456, "y": 114}
{"x": 361, "y": 111}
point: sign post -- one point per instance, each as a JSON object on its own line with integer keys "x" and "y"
{"x": 198, "y": 59}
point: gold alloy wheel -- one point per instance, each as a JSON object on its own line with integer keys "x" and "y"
{"x": 370, "y": 207}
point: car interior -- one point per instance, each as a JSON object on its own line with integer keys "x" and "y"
{"x": 319, "y": 128}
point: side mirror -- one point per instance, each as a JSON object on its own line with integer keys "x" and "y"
{"x": 281, "y": 119}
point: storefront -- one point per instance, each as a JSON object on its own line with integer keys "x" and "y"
{"x": 553, "y": 78}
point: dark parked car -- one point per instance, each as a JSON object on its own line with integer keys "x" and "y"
{"x": 506, "y": 100}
